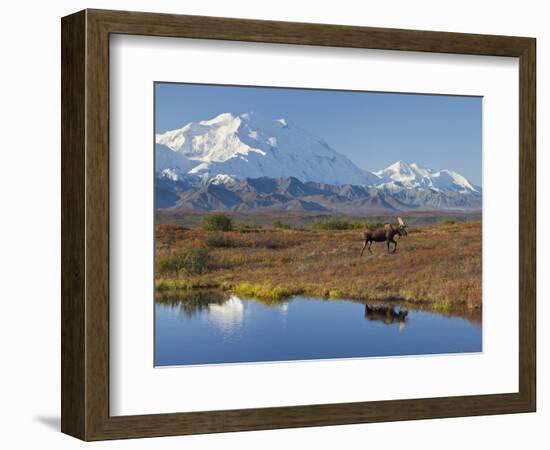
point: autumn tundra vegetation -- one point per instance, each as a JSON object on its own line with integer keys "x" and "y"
{"x": 437, "y": 266}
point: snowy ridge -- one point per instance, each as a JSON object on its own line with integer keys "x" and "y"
{"x": 401, "y": 175}
{"x": 290, "y": 194}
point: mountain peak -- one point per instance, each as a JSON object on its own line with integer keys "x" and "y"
{"x": 251, "y": 145}
{"x": 220, "y": 119}
{"x": 401, "y": 175}
{"x": 399, "y": 165}
{"x": 398, "y": 169}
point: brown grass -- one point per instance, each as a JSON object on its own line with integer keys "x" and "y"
{"x": 436, "y": 265}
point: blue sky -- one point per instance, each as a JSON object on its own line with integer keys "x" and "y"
{"x": 372, "y": 129}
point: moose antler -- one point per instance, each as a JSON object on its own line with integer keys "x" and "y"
{"x": 401, "y": 223}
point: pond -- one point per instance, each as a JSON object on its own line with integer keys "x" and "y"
{"x": 212, "y": 330}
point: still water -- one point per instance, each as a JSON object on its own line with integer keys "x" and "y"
{"x": 231, "y": 330}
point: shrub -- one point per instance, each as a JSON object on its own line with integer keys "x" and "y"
{"x": 218, "y": 240}
{"x": 281, "y": 225}
{"x": 248, "y": 228}
{"x": 331, "y": 224}
{"x": 342, "y": 224}
{"x": 373, "y": 225}
{"x": 191, "y": 261}
{"x": 241, "y": 228}
{"x": 217, "y": 222}
{"x": 448, "y": 222}
{"x": 356, "y": 225}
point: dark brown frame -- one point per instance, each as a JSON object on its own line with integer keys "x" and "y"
{"x": 85, "y": 224}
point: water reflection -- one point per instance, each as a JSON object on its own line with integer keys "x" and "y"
{"x": 206, "y": 327}
{"x": 221, "y": 309}
{"x": 387, "y": 314}
{"x": 193, "y": 302}
{"x": 227, "y": 315}
{"x": 231, "y": 313}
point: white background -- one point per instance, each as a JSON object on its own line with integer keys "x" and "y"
{"x": 136, "y": 387}
{"x": 30, "y": 237}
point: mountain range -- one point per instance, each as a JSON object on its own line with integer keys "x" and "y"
{"x": 247, "y": 162}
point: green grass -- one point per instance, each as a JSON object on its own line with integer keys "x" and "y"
{"x": 264, "y": 292}
{"x": 180, "y": 286}
{"x": 163, "y": 285}
{"x": 443, "y": 306}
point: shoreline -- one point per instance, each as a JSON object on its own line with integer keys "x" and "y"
{"x": 436, "y": 266}
{"x": 212, "y": 295}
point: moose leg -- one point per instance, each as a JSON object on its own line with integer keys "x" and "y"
{"x": 363, "y": 249}
{"x": 394, "y": 246}
{"x": 370, "y": 245}
{"x": 388, "y": 245}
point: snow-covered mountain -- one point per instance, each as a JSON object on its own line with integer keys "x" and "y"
{"x": 248, "y": 162}
{"x": 249, "y": 145}
{"x": 401, "y": 176}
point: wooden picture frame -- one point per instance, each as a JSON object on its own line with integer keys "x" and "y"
{"x": 85, "y": 224}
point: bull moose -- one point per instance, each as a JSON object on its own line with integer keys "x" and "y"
{"x": 384, "y": 234}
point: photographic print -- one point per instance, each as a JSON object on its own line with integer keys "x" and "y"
{"x": 305, "y": 224}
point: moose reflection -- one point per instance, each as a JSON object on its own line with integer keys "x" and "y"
{"x": 386, "y": 314}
